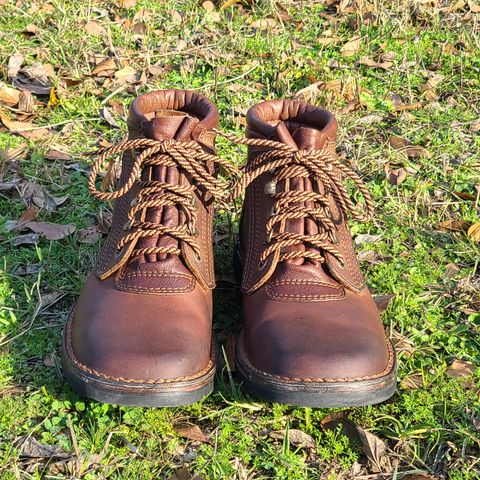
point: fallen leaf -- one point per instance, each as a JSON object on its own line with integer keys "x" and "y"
{"x": 94, "y": 28}
{"x": 105, "y": 113}
{"x": 429, "y": 87}
{"x": 31, "y": 29}
{"x": 28, "y": 215}
{"x": 192, "y": 432}
{"x": 51, "y": 231}
{"x": 475, "y": 126}
{"x": 352, "y": 47}
{"x": 474, "y": 8}
{"x": 53, "y": 98}
{"x": 15, "y": 62}
{"x": 89, "y": 235}
{"x": 184, "y": 474}
{"x": 372, "y": 257}
{"x": 297, "y": 438}
{"x": 403, "y": 145}
{"x": 453, "y": 226}
{"x": 48, "y": 299}
{"x": 339, "y": 421}
{"x": 8, "y": 95}
{"x": 55, "y": 154}
{"x": 465, "y": 196}
{"x": 25, "y": 129}
{"x": 105, "y": 68}
{"x": 26, "y": 102}
{"x": 27, "y": 239}
{"x": 126, "y": 3}
{"x": 31, "y": 192}
{"x": 460, "y": 369}
{"x": 31, "y": 448}
{"x": 35, "y": 79}
{"x": 473, "y": 233}
{"x": 208, "y": 6}
{"x": 372, "y": 63}
{"x": 418, "y": 476}
{"x": 362, "y": 238}
{"x": 412, "y": 382}
{"x": 396, "y": 177}
{"x": 265, "y": 24}
{"x": 373, "y": 447}
{"x": 382, "y": 301}
{"x": 126, "y": 75}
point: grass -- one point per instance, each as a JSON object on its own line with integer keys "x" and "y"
{"x": 435, "y": 316}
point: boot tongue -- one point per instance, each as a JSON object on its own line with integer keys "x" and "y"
{"x": 301, "y": 138}
{"x": 164, "y": 126}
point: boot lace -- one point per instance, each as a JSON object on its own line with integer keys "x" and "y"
{"x": 188, "y": 157}
{"x": 286, "y": 163}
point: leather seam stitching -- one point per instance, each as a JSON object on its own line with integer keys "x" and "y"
{"x": 388, "y": 368}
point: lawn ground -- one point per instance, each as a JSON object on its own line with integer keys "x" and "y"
{"x": 403, "y": 78}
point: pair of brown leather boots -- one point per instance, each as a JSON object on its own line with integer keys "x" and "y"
{"x": 141, "y": 332}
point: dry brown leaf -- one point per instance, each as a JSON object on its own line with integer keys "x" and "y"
{"x": 126, "y": 3}
{"x": 15, "y": 62}
{"x": 475, "y": 126}
{"x": 89, "y": 235}
{"x": 474, "y": 8}
{"x": 382, "y": 301}
{"x": 94, "y": 28}
{"x": 403, "y": 145}
{"x": 453, "y": 226}
{"x": 372, "y": 63}
{"x": 126, "y": 75}
{"x": 104, "y": 68}
{"x": 373, "y": 447}
{"x": 192, "y": 432}
{"x": 184, "y": 474}
{"x": 397, "y": 176}
{"x": 460, "y": 369}
{"x": 352, "y": 47}
{"x": 25, "y": 129}
{"x": 28, "y": 215}
{"x": 27, "y": 239}
{"x": 412, "y": 382}
{"x": 55, "y": 154}
{"x": 106, "y": 114}
{"x": 8, "y": 95}
{"x": 297, "y": 438}
{"x": 26, "y": 102}
{"x": 208, "y": 6}
{"x": 473, "y": 233}
{"x": 51, "y": 231}
{"x": 362, "y": 238}
{"x": 418, "y": 476}
{"x": 31, "y": 192}
{"x": 35, "y": 79}
{"x": 429, "y": 87}
{"x": 372, "y": 257}
{"x": 265, "y": 24}
{"x": 29, "y": 447}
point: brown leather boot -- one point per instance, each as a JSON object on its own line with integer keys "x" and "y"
{"x": 312, "y": 334}
{"x": 141, "y": 332}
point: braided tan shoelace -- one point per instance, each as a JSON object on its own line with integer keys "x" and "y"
{"x": 189, "y": 158}
{"x": 287, "y": 163}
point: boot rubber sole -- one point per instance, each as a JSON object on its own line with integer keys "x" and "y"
{"x": 131, "y": 392}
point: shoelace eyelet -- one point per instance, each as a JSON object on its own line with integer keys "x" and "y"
{"x": 128, "y": 226}
{"x": 262, "y": 264}
{"x": 270, "y": 188}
